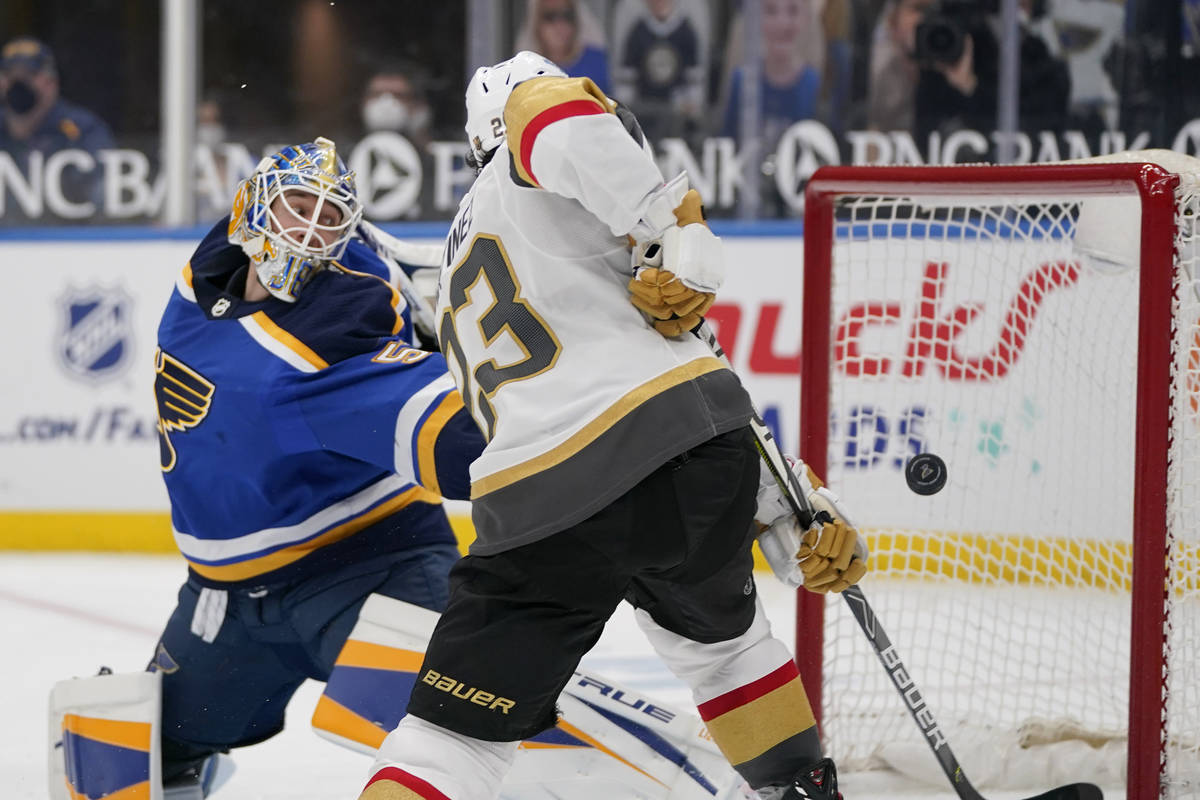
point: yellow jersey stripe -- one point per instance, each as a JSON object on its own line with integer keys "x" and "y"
{"x": 288, "y": 340}
{"x": 398, "y": 325}
{"x": 592, "y": 431}
{"x": 451, "y": 404}
{"x": 281, "y": 558}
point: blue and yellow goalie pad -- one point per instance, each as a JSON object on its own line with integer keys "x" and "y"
{"x": 104, "y": 737}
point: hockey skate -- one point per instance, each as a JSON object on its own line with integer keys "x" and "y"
{"x": 815, "y": 782}
{"x": 200, "y": 780}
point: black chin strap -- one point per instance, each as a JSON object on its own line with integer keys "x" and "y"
{"x": 477, "y": 164}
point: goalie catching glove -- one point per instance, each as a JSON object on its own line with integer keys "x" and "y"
{"x": 829, "y": 556}
{"x": 677, "y": 260}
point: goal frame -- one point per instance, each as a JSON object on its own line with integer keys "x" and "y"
{"x": 1156, "y": 188}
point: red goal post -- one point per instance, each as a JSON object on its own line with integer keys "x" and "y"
{"x": 1038, "y": 326}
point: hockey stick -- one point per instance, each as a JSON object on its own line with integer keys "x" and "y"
{"x": 861, "y": 609}
{"x": 391, "y": 249}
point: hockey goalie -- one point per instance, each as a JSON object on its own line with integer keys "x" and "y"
{"x": 610, "y": 742}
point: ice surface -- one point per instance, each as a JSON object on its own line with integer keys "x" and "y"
{"x": 64, "y": 615}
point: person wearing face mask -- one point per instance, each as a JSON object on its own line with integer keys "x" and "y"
{"x": 395, "y": 104}
{"x": 35, "y": 118}
{"x": 395, "y": 100}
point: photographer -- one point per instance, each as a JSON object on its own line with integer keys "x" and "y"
{"x": 958, "y": 49}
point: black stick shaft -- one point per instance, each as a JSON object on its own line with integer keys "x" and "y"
{"x": 913, "y": 699}
{"x": 923, "y": 715}
{"x": 768, "y": 448}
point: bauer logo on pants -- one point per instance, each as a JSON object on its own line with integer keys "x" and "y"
{"x": 95, "y": 339}
{"x": 469, "y": 693}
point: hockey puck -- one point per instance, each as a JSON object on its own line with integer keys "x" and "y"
{"x": 925, "y": 473}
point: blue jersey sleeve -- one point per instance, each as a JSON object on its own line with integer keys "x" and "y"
{"x": 397, "y": 408}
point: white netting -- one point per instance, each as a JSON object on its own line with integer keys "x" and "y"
{"x": 1000, "y": 331}
{"x": 1182, "y": 728}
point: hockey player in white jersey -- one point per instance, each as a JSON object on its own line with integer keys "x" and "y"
{"x": 297, "y": 420}
{"x": 618, "y": 463}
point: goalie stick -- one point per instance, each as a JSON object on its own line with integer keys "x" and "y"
{"x": 768, "y": 448}
{"x": 391, "y": 249}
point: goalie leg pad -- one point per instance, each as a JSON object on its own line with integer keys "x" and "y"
{"x": 367, "y": 691}
{"x": 104, "y": 736}
{"x": 624, "y": 744}
{"x": 609, "y": 741}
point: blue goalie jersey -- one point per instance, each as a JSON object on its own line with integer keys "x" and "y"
{"x": 293, "y": 433}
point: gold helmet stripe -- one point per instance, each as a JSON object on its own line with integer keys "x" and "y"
{"x": 538, "y": 102}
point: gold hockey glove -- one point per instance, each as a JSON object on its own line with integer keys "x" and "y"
{"x": 677, "y": 267}
{"x": 828, "y": 557}
{"x": 674, "y": 307}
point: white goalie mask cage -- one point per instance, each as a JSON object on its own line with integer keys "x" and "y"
{"x": 287, "y": 246}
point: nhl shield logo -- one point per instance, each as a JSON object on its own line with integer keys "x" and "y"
{"x": 96, "y": 338}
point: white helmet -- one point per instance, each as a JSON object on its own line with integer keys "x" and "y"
{"x": 487, "y": 93}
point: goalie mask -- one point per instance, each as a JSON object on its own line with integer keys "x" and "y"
{"x": 294, "y": 215}
{"x": 487, "y": 93}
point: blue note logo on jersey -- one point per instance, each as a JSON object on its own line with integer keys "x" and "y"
{"x": 183, "y": 396}
{"x": 95, "y": 340}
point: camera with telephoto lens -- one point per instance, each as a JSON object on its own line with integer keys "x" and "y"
{"x": 941, "y": 36}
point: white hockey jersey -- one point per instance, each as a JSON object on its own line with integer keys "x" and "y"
{"x": 578, "y": 396}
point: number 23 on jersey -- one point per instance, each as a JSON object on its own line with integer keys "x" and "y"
{"x": 491, "y": 335}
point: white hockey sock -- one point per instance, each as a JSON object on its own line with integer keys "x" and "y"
{"x": 446, "y": 764}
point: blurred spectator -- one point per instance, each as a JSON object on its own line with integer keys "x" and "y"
{"x": 567, "y": 33}
{"x": 958, "y": 94}
{"x": 891, "y": 92}
{"x": 214, "y": 191}
{"x": 661, "y": 63}
{"x": 1082, "y": 32}
{"x": 790, "y": 50}
{"x": 210, "y": 125}
{"x": 395, "y": 100}
{"x": 394, "y": 181}
{"x": 33, "y": 117}
{"x": 836, "y": 27}
{"x": 865, "y": 18}
{"x": 1190, "y": 12}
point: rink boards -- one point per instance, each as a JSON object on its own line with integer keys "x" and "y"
{"x": 78, "y": 439}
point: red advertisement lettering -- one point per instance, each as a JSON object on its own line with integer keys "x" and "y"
{"x": 763, "y": 357}
{"x": 726, "y": 320}
{"x": 935, "y": 331}
{"x": 846, "y": 350}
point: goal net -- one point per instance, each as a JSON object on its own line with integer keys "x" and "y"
{"x": 1038, "y": 327}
